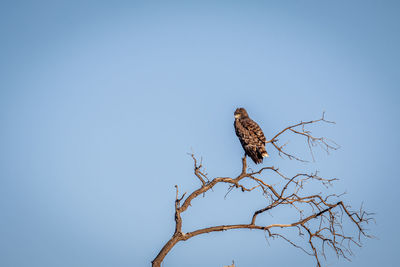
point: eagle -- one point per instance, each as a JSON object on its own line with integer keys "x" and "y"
{"x": 250, "y": 135}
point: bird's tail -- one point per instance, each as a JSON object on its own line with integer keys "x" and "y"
{"x": 263, "y": 152}
{"x": 257, "y": 155}
{"x": 256, "y": 158}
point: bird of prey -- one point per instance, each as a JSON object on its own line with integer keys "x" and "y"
{"x": 250, "y": 135}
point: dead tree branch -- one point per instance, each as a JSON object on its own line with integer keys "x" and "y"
{"x": 312, "y": 141}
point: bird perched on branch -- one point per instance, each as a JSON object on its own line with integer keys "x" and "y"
{"x": 250, "y": 135}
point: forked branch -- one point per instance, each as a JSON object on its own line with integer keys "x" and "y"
{"x": 312, "y": 141}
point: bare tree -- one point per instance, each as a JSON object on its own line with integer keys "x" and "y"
{"x": 320, "y": 221}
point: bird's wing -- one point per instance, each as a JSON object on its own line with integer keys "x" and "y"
{"x": 254, "y": 128}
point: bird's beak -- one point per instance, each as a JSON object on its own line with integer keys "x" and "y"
{"x": 237, "y": 116}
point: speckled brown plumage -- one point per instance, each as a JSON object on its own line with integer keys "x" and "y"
{"x": 250, "y": 135}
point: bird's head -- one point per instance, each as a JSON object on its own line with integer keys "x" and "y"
{"x": 240, "y": 113}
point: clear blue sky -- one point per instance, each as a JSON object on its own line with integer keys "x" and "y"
{"x": 101, "y": 100}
